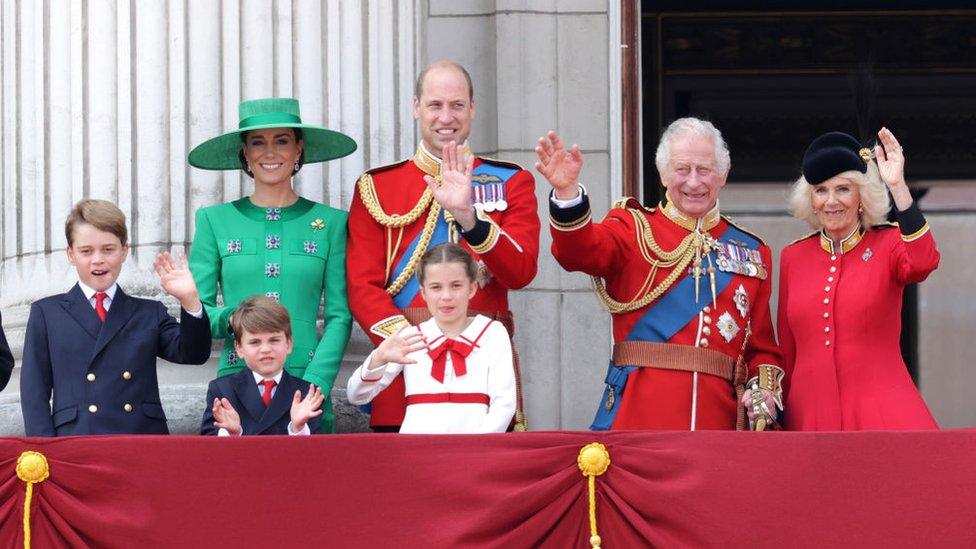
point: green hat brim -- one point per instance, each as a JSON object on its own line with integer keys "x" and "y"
{"x": 319, "y": 145}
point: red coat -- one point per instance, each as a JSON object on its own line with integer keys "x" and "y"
{"x": 506, "y": 242}
{"x": 654, "y": 398}
{"x": 839, "y": 326}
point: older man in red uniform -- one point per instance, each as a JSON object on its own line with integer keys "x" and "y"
{"x": 688, "y": 290}
{"x": 403, "y": 209}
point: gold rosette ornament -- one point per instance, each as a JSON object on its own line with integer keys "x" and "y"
{"x": 593, "y": 461}
{"x": 32, "y": 468}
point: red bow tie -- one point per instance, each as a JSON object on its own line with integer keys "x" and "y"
{"x": 439, "y": 356}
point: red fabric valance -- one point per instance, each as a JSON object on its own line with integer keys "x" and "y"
{"x": 514, "y": 490}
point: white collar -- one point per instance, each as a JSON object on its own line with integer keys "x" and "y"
{"x": 90, "y": 293}
{"x": 258, "y": 378}
{"x": 436, "y": 337}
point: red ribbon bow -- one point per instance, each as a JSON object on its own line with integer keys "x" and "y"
{"x": 439, "y": 356}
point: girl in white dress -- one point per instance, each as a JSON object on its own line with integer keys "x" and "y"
{"x": 457, "y": 369}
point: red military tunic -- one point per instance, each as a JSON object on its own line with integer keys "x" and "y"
{"x": 655, "y": 397}
{"x": 388, "y": 222}
{"x": 839, "y": 326}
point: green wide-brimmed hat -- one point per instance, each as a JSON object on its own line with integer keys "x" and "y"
{"x": 320, "y": 144}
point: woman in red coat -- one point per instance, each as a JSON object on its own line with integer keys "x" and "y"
{"x": 841, "y": 290}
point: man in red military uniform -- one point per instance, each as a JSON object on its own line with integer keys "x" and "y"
{"x": 401, "y": 210}
{"x": 688, "y": 290}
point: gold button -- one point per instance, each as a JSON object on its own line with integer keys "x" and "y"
{"x": 826, "y": 300}
{"x": 90, "y": 377}
{"x": 126, "y": 375}
{"x": 703, "y": 342}
{"x": 830, "y": 279}
{"x": 833, "y": 258}
{"x": 707, "y": 319}
{"x": 833, "y": 269}
{"x": 93, "y": 408}
{"x": 826, "y": 315}
{"x": 826, "y": 288}
{"x": 127, "y": 407}
{"x": 707, "y": 309}
{"x": 706, "y": 330}
{"x": 826, "y": 329}
{"x": 827, "y": 343}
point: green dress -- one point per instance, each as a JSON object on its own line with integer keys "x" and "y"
{"x": 293, "y": 255}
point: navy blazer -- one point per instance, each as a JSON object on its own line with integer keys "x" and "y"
{"x": 256, "y": 418}
{"x": 6, "y": 360}
{"x": 103, "y": 375}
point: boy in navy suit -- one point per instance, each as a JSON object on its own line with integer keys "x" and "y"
{"x": 95, "y": 347}
{"x": 262, "y": 399}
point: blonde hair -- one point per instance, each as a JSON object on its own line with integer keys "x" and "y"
{"x": 101, "y": 214}
{"x": 873, "y": 193}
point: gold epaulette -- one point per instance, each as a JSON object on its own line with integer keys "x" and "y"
{"x": 367, "y": 192}
{"x": 886, "y": 225}
{"x": 747, "y": 231}
{"x": 630, "y": 203}
{"x": 802, "y": 238}
{"x": 502, "y": 163}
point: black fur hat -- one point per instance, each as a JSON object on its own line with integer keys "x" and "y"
{"x": 833, "y": 153}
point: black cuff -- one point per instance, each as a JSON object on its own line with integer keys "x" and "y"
{"x": 478, "y": 234}
{"x": 570, "y": 215}
{"x": 911, "y": 220}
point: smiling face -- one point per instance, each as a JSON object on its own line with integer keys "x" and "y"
{"x": 97, "y": 256}
{"x": 692, "y": 175}
{"x": 264, "y": 352}
{"x": 444, "y": 110}
{"x": 271, "y": 154}
{"x": 447, "y": 289}
{"x": 836, "y": 202}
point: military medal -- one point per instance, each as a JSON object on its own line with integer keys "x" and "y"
{"x": 741, "y": 299}
{"x": 501, "y": 204}
{"x": 867, "y": 254}
{"x": 490, "y": 203}
{"x": 727, "y": 327}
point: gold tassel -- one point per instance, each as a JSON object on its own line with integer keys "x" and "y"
{"x": 593, "y": 461}
{"x": 32, "y": 468}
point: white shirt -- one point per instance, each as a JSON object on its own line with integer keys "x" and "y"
{"x": 489, "y": 372}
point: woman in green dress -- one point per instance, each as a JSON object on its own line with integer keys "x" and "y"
{"x": 274, "y": 242}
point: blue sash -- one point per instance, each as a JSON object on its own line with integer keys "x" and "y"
{"x": 665, "y": 318}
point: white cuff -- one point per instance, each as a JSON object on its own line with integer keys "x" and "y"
{"x": 304, "y": 432}
{"x": 562, "y": 204}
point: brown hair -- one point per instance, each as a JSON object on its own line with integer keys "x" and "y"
{"x": 259, "y": 315}
{"x": 299, "y": 138}
{"x": 448, "y": 252}
{"x": 101, "y": 214}
{"x": 418, "y": 88}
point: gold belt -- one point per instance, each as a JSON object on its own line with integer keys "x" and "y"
{"x": 669, "y": 356}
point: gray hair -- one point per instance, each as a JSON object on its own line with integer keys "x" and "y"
{"x": 874, "y": 197}
{"x": 683, "y": 126}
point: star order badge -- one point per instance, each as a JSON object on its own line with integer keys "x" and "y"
{"x": 741, "y": 299}
{"x": 727, "y": 327}
{"x": 867, "y": 254}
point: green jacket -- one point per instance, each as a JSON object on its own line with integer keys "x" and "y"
{"x": 292, "y": 254}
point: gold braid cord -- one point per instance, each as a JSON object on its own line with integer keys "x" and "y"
{"x": 32, "y": 468}
{"x": 367, "y": 191}
{"x": 690, "y": 249}
{"x": 593, "y": 460}
{"x": 418, "y": 252}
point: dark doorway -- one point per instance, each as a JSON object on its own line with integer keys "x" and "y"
{"x": 773, "y": 75}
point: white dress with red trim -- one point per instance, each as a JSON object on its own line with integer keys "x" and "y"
{"x": 458, "y": 385}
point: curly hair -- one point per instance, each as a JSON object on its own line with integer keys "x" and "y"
{"x": 875, "y": 201}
